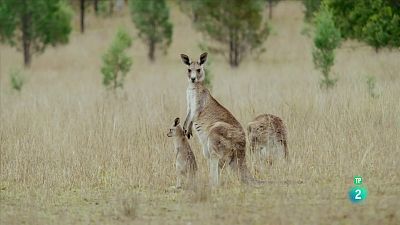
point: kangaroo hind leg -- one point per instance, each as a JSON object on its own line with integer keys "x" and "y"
{"x": 215, "y": 149}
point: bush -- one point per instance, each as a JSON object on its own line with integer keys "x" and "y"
{"x": 116, "y": 64}
{"x": 17, "y": 79}
{"x": 326, "y": 40}
{"x": 311, "y": 6}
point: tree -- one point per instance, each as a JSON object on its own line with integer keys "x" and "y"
{"x": 116, "y": 64}
{"x": 190, "y": 8}
{"x": 207, "y": 71}
{"x": 326, "y": 40}
{"x": 82, "y": 9}
{"x": 111, "y": 7}
{"x": 151, "y": 18}
{"x": 96, "y": 6}
{"x": 311, "y": 6}
{"x": 375, "y": 22}
{"x": 33, "y": 25}
{"x": 103, "y": 8}
{"x": 237, "y": 24}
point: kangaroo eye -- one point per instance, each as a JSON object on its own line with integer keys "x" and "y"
{"x": 189, "y": 70}
{"x": 198, "y": 70}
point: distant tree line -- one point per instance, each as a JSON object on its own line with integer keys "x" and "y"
{"x": 374, "y": 22}
{"x": 235, "y": 29}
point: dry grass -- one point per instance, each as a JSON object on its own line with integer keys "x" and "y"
{"x": 72, "y": 155}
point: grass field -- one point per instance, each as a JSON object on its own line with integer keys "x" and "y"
{"x": 71, "y": 154}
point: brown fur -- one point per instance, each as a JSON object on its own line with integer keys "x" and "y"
{"x": 266, "y": 128}
{"x": 220, "y": 134}
{"x": 185, "y": 161}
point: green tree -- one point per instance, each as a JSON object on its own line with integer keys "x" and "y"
{"x": 151, "y": 18}
{"x": 326, "y": 40}
{"x": 236, "y": 24}
{"x": 311, "y": 6}
{"x": 375, "y": 22}
{"x": 33, "y": 25}
{"x": 116, "y": 64}
{"x": 103, "y": 8}
{"x": 207, "y": 71}
{"x": 82, "y": 15}
{"x": 190, "y": 8}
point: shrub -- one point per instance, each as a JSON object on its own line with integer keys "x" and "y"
{"x": 17, "y": 79}
{"x": 326, "y": 40}
{"x": 311, "y": 6}
{"x": 116, "y": 64}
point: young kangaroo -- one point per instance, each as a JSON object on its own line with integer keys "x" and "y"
{"x": 185, "y": 163}
{"x": 222, "y": 137}
{"x": 268, "y": 137}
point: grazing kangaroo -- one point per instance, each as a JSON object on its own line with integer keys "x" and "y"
{"x": 268, "y": 137}
{"x": 222, "y": 137}
{"x": 185, "y": 163}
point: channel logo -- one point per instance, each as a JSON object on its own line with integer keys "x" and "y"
{"x": 359, "y": 192}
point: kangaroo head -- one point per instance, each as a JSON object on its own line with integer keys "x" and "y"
{"x": 176, "y": 129}
{"x": 195, "y": 71}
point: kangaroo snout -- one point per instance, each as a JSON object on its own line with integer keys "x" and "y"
{"x": 193, "y": 79}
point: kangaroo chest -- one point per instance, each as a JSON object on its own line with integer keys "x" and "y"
{"x": 192, "y": 98}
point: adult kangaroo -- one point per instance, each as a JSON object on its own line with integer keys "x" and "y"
{"x": 268, "y": 137}
{"x": 222, "y": 137}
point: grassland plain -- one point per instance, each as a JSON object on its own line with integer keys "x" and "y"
{"x": 70, "y": 154}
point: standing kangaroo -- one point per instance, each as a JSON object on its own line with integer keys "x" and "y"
{"x": 185, "y": 161}
{"x": 222, "y": 137}
{"x": 268, "y": 137}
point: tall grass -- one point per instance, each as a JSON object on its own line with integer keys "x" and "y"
{"x": 64, "y": 133}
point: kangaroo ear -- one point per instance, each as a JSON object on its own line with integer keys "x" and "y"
{"x": 203, "y": 58}
{"x": 185, "y": 59}
{"x": 176, "y": 122}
